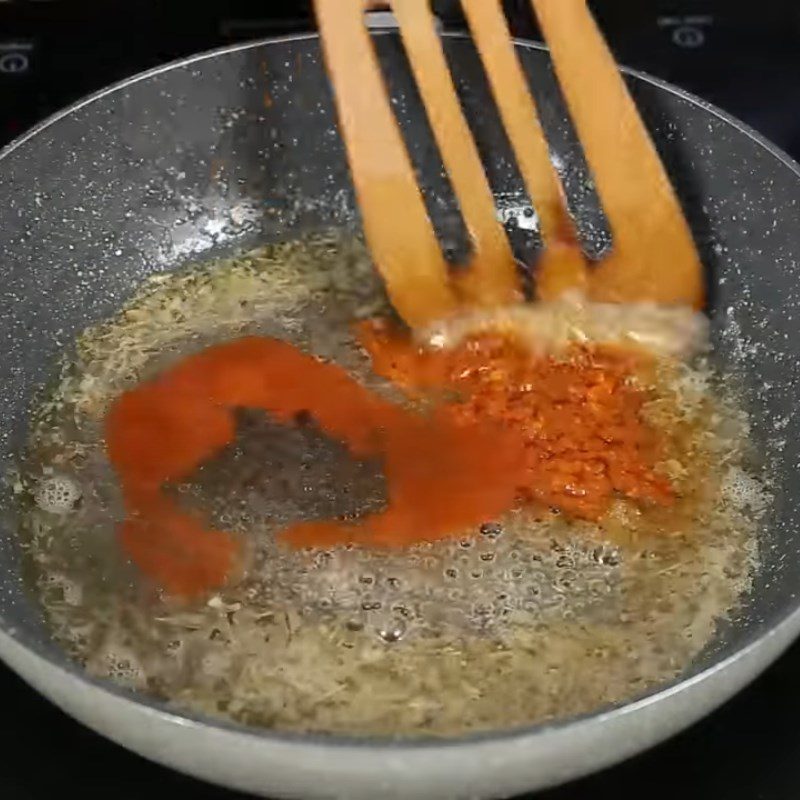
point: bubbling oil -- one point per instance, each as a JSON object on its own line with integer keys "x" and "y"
{"x": 507, "y": 625}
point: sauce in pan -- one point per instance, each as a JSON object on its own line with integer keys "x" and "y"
{"x": 252, "y": 495}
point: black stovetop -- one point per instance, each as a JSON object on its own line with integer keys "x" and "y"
{"x": 743, "y": 56}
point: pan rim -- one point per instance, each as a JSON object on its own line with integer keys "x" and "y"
{"x": 48, "y": 653}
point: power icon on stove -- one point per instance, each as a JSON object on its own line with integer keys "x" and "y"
{"x": 688, "y": 36}
{"x": 14, "y": 62}
{"x": 689, "y": 32}
{"x": 15, "y": 58}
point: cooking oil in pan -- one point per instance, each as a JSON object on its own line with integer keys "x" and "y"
{"x": 531, "y": 617}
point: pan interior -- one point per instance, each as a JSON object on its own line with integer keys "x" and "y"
{"x": 193, "y": 162}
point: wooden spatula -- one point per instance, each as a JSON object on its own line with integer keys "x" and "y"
{"x": 653, "y": 255}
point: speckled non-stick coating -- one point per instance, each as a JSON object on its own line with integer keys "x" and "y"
{"x": 224, "y": 151}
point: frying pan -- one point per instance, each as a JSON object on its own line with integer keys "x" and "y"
{"x": 228, "y": 149}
